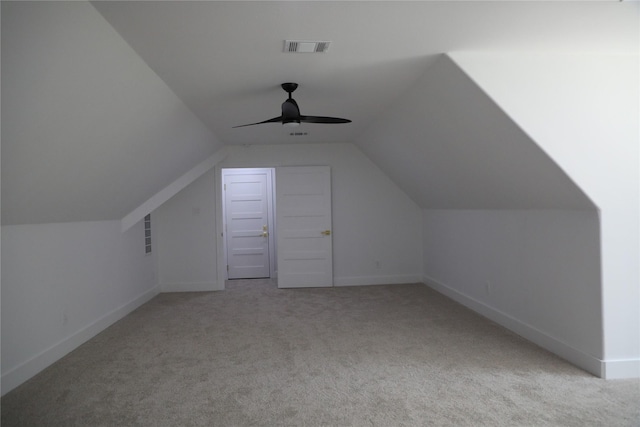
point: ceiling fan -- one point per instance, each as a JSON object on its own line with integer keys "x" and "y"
{"x": 291, "y": 113}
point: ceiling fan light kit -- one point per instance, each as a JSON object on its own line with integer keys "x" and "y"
{"x": 291, "y": 113}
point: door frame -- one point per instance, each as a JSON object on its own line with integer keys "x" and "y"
{"x": 271, "y": 210}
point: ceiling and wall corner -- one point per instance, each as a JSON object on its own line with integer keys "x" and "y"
{"x": 89, "y": 131}
{"x": 454, "y": 148}
{"x": 172, "y": 189}
{"x": 496, "y": 207}
{"x": 93, "y": 125}
{"x": 583, "y": 110}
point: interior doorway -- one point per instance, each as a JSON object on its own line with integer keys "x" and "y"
{"x": 248, "y": 222}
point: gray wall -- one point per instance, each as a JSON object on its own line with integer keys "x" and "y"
{"x": 62, "y": 284}
{"x": 496, "y": 203}
{"x": 373, "y": 220}
{"x": 88, "y": 133}
{"x": 583, "y": 110}
{"x": 535, "y": 271}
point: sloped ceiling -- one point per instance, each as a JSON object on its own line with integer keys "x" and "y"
{"x": 103, "y": 108}
{"x": 88, "y": 130}
{"x": 226, "y": 59}
{"x": 466, "y": 153}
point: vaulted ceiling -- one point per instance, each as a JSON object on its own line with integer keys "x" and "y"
{"x": 106, "y": 103}
{"x": 225, "y": 60}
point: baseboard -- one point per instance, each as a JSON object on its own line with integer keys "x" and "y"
{"x": 37, "y": 363}
{"x": 190, "y": 287}
{"x": 619, "y": 369}
{"x": 577, "y": 357}
{"x": 375, "y": 280}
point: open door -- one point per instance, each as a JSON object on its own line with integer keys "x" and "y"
{"x": 304, "y": 244}
{"x": 247, "y": 213}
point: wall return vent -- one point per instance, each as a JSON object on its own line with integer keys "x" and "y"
{"x": 306, "y": 46}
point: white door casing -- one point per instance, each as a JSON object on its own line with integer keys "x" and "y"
{"x": 247, "y": 209}
{"x": 304, "y": 243}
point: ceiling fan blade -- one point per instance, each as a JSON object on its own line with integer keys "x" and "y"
{"x": 321, "y": 119}
{"x": 274, "y": 120}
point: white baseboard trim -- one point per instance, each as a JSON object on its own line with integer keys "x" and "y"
{"x": 375, "y": 280}
{"x": 577, "y": 357}
{"x": 619, "y": 369}
{"x": 190, "y": 287}
{"x": 21, "y": 373}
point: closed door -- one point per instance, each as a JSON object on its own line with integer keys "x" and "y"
{"x": 304, "y": 245}
{"x": 246, "y": 197}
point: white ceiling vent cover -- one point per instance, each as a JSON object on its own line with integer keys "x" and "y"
{"x": 306, "y": 46}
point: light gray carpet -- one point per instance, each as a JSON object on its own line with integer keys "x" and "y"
{"x": 362, "y": 356}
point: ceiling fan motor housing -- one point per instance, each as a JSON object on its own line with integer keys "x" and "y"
{"x": 290, "y": 112}
{"x": 289, "y": 87}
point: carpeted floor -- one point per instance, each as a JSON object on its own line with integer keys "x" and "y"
{"x": 255, "y": 355}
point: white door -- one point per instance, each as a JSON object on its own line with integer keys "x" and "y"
{"x": 303, "y": 200}
{"x": 246, "y": 204}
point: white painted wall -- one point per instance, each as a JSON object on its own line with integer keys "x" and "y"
{"x": 536, "y": 272}
{"x": 62, "y": 284}
{"x": 89, "y": 131}
{"x": 373, "y": 220}
{"x": 568, "y": 142}
{"x": 583, "y": 110}
{"x": 186, "y": 238}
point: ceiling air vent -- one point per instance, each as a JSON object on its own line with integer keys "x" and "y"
{"x": 306, "y": 46}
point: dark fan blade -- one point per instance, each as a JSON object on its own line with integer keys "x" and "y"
{"x": 274, "y": 120}
{"x": 320, "y": 119}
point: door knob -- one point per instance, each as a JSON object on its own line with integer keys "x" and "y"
{"x": 326, "y": 232}
{"x": 265, "y": 234}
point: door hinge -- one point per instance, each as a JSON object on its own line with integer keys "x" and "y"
{"x": 227, "y": 267}
{"x": 225, "y": 187}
